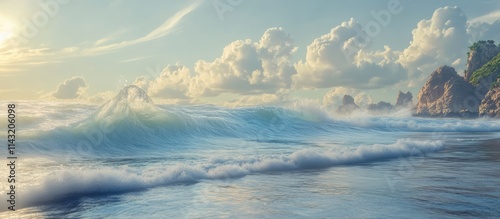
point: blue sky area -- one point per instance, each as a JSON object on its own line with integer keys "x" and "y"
{"x": 234, "y": 52}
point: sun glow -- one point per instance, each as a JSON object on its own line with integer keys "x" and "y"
{"x": 6, "y": 31}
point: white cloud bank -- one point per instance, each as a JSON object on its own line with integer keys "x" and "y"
{"x": 484, "y": 31}
{"x": 70, "y": 89}
{"x": 336, "y": 59}
{"x": 245, "y": 67}
{"x": 262, "y": 72}
{"x": 333, "y": 98}
{"x": 440, "y": 40}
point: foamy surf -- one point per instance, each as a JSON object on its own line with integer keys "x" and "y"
{"x": 123, "y": 132}
{"x": 73, "y": 183}
{"x": 129, "y": 144}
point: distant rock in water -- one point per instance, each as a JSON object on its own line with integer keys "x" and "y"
{"x": 404, "y": 99}
{"x": 446, "y": 94}
{"x": 490, "y": 106}
{"x": 348, "y": 105}
{"x": 348, "y": 100}
{"x": 131, "y": 101}
{"x": 380, "y": 107}
{"x": 480, "y": 53}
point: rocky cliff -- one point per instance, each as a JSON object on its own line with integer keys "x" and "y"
{"x": 447, "y": 94}
{"x": 486, "y": 75}
{"x": 490, "y": 106}
{"x": 480, "y": 53}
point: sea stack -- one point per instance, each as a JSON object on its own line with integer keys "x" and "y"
{"x": 404, "y": 99}
{"x": 446, "y": 94}
{"x": 348, "y": 105}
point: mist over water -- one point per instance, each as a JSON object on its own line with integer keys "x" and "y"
{"x": 89, "y": 161}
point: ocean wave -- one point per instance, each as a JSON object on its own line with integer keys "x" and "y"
{"x": 78, "y": 182}
{"x": 131, "y": 122}
{"x": 171, "y": 125}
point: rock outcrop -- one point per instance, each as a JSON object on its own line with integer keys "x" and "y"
{"x": 348, "y": 105}
{"x": 477, "y": 93}
{"x": 480, "y": 53}
{"x": 404, "y": 99}
{"x": 490, "y": 106}
{"x": 485, "y": 76}
{"x": 446, "y": 94}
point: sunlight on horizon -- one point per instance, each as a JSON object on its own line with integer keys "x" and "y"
{"x": 7, "y": 29}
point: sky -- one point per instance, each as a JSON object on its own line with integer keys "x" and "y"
{"x": 234, "y": 52}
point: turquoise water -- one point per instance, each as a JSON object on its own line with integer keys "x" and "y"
{"x": 129, "y": 160}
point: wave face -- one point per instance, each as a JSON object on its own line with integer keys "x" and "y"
{"x": 112, "y": 130}
{"x": 131, "y": 123}
{"x": 131, "y": 144}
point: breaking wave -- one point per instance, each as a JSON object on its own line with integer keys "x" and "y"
{"x": 74, "y": 183}
{"x": 131, "y": 122}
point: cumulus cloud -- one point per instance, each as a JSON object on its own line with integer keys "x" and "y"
{"x": 173, "y": 83}
{"x": 261, "y": 70}
{"x": 101, "y": 97}
{"x": 333, "y": 98}
{"x": 248, "y": 67}
{"x": 70, "y": 88}
{"x": 142, "y": 82}
{"x": 363, "y": 99}
{"x": 337, "y": 59}
{"x": 484, "y": 31}
{"x": 245, "y": 67}
{"x": 440, "y": 40}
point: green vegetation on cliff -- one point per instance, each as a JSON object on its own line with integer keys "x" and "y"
{"x": 476, "y": 45}
{"x": 491, "y": 67}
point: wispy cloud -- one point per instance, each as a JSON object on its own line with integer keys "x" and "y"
{"x": 168, "y": 27}
{"x": 23, "y": 56}
{"x": 487, "y": 18}
{"x": 14, "y": 59}
{"x": 134, "y": 59}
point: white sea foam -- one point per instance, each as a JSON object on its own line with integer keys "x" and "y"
{"x": 77, "y": 182}
{"x": 131, "y": 121}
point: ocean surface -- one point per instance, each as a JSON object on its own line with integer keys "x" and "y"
{"x": 130, "y": 158}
